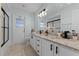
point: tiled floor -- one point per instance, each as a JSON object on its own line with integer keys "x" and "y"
{"x": 21, "y": 49}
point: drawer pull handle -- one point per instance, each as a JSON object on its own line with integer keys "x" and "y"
{"x": 51, "y": 47}
{"x": 56, "y": 50}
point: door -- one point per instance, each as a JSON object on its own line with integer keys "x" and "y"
{"x": 49, "y": 48}
{"x": 18, "y": 29}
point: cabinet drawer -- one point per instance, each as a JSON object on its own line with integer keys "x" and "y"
{"x": 38, "y": 50}
{"x": 38, "y": 42}
{"x": 38, "y": 45}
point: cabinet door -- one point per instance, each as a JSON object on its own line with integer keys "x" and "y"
{"x": 47, "y": 48}
{"x": 66, "y": 51}
{"x": 60, "y": 50}
{"x": 56, "y": 49}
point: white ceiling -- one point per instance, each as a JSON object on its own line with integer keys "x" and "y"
{"x": 53, "y": 8}
{"x": 24, "y": 7}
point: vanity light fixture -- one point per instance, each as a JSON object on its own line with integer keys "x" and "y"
{"x": 42, "y": 13}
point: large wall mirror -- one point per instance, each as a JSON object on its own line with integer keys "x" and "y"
{"x": 54, "y": 25}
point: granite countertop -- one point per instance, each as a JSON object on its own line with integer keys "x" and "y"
{"x": 72, "y": 43}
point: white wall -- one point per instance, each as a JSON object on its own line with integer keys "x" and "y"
{"x": 37, "y": 23}
{"x": 70, "y": 18}
{"x": 75, "y": 20}
{"x": 66, "y": 19}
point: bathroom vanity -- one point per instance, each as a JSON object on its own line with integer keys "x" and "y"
{"x": 54, "y": 46}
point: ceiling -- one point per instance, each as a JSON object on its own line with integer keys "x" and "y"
{"x": 24, "y": 7}
{"x": 53, "y": 8}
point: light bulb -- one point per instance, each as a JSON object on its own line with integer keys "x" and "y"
{"x": 43, "y": 13}
{"x": 40, "y": 14}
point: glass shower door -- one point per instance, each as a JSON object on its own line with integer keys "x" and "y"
{"x": 5, "y": 27}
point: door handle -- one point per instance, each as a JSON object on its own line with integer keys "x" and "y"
{"x": 56, "y": 50}
{"x": 51, "y": 47}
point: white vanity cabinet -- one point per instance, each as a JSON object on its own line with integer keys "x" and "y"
{"x": 47, "y": 48}
{"x": 38, "y": 46}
